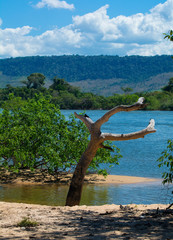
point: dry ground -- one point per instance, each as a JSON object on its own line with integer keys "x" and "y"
{"x": 86, "y": 222}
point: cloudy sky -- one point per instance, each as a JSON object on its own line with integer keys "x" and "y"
{"x": 91, "y": 27}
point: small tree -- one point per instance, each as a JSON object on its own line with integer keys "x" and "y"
{"x": 96, "y": 142}
{"x": 35, "y": 134}
{"x": 35, "y": 80}
{"x": 59, "y": 84}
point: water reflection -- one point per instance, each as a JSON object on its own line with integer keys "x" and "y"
{"x": 55, "y": 195}
{"x": 37, "y": 194}
{"x": 95, "y": 195}
{"x": 52, "y": 194}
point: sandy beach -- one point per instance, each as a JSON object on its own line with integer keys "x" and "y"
{"x": 43, "y": 177}
{"x": 86, "y": 222}
{"x": 83, "y": 222}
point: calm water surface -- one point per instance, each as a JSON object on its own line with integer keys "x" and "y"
{"x": 139, "y": 159}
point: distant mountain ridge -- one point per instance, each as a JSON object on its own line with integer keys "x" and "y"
{"x": 103, "y": 75}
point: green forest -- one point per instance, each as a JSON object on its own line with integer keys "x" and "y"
{"x": 76, "y": 68}
{"x": 66, "y": 96}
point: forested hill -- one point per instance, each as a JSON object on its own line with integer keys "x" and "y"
{"x": 98, "y": 74}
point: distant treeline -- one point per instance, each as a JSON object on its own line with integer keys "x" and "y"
{"x": 76, "y": 68}
{"x": 69, "y": 97}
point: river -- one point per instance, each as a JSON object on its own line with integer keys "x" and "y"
{"x": 140, "y": 155}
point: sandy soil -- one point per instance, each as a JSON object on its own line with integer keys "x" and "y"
{"x": 117, "y": 179}
{"x": 86, "y": 222}
{"x": 43, "y": 177}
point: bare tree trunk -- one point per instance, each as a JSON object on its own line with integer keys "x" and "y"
{"x": 75, "y": 190}
{"x": 97, "y": 139}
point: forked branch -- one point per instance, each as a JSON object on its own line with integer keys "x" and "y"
{"x": 94, "y": 127}
{"x": 138, "y": 105}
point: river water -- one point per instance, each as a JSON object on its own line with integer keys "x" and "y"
{"x": 139, "y": 159}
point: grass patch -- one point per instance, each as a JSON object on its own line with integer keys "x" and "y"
{"x": 27, "y": 222}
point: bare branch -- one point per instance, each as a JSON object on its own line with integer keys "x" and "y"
{"x": 129, "y": 136}
{"x": 86, "y": 120}
{"x": 107, "y": 147}
{"x": 138, "y": 105}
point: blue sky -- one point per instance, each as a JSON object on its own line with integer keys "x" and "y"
{"x": 92, "y": 27}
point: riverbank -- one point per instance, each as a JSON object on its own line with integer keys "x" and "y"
{"x": 43, "y": 177}
{"x": 86, "y": 222}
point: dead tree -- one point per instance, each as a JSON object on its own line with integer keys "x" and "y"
{"x": 96, "y": 141}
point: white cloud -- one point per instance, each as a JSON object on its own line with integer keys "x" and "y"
{"x": 134, "y": 34}
{"x": 152, "y": 49}
{"x": 96, "y": 33}
{"x": 14, "y": 42}
{"x": 54, "y": 4}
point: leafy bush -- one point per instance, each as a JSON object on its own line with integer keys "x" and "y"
{"x": 34, "y": 134}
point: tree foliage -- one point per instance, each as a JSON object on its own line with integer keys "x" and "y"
{"x": 35, "y": 80}
{"x": 34, "y": 134}
{"x": 59, "y": 84}
{"x": 67, "y": 96}
{"x": 166, "y": 160}
{"x": 169, "y": 35}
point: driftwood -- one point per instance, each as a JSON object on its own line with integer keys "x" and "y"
{"x": 96, "y": 141}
